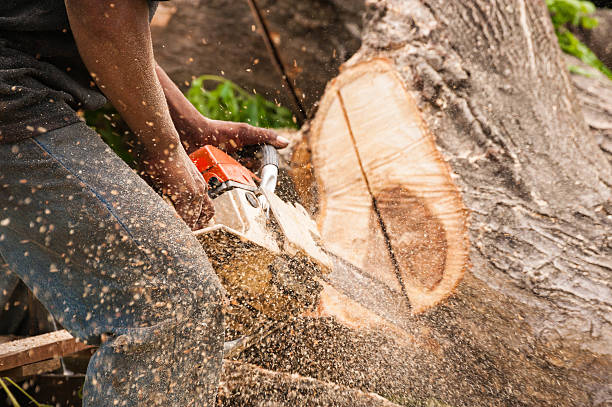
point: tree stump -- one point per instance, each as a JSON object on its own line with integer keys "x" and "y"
{"x": 529, "y": 324}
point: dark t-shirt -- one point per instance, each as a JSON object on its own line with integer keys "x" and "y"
{"x": 42, "y": 77}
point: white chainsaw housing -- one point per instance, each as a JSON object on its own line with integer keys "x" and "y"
{"x": 251, "y": 248}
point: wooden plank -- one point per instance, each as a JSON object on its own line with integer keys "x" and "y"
{"x": 33, "y": 369}
{"x": 7, "y": 338}
{"x": 37, "y": 348}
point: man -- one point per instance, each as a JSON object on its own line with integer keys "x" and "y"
{"x": 111, "y": 261}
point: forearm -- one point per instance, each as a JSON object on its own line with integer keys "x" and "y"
{"x": 187, "y": 120}
{"x": 114, "y": 41}
{"x": 196, "y": 130}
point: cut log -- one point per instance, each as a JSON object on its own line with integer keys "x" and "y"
{"x": 387, "y": 202}
{"x": 515, "y": 138}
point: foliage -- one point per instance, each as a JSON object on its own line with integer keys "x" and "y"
{"x": 580, "y": 71}
{"x": 576, "y": 13}
{"x": 4, "y": 381}
{"x": 230, "y": 102}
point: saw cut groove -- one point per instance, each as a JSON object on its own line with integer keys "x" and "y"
{"x": 374, "y": 204}
{"x": 387, "y": 201}
{"x": 348, "y": 223}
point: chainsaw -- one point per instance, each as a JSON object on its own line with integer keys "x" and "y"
{"x": 266, "y": 252}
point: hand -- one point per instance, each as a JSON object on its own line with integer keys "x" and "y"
{"x": 177, "y": 178}
{"x": 197, "y": 131}
{"x": 230, "y": 136}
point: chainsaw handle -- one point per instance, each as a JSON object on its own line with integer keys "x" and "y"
{"x": 269, "y": 168}
{"x": 269, "y": 156}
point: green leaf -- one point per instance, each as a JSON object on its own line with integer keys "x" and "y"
{"x": 575, "y": 12}
{"x": 14, "y": 401}
{"x": 253, "y": 112}
{"x": 589, "y": 22}
{"x": 569, "y": 11}
{"x": 579, "y": 71}
{"x": 228, "y": 101}
{"x": 10, "y": 395}
{"x": 588, "y": 7}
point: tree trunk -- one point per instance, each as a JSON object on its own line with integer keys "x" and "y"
{"x": 493, "y": 90}
{"x": 594, "y": 94}
{"x": 530, "y": 324}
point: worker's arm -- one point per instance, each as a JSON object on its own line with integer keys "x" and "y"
{"x": 196, "y": 130}
{"x": 114, "y": 41}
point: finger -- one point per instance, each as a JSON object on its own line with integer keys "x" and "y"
{"x": 279, "y": 142}
{"x": 189, "y": 211}
{"x": 258, "y": 135}
{"x": 208, "y": 211}
{"x": 248, "y": 135}
{"x": 234, "y": 136}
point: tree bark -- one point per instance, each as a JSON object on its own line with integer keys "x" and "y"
{"x": 594, "y": 93}
{"x": 598, "y": 38}
{"x": 530, "y": 324}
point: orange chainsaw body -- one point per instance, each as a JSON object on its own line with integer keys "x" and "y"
{"x": 221, "y": 171}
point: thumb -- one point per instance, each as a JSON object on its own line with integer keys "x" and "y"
{"x": 189, "y": 211}
{"x": 277, "y": 140}
{"x": 208, "y": 211}
{"x": 280, "y": 142}
{"x": 268, "y": 136}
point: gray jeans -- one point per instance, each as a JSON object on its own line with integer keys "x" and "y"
{"x": 115, "y": 266}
